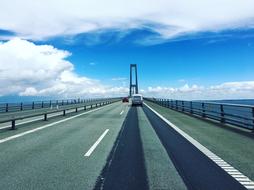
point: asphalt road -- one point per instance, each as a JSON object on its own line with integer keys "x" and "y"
{"x": 112, "y": 147}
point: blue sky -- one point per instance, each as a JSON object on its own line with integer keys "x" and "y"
{"x": 180, "y": 54}
{"x": 205, "y": 59}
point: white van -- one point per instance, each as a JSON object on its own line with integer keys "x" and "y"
{"x": 137, "y": 99}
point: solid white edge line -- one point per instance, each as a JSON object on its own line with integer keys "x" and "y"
{"x": 202, "y": 148}
{"x": 90, "y": 151}
{"x": 48, "y": 125}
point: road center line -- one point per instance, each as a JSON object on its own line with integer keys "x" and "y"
{"x": 122, "y": 112}
{"x": 90, "y": 151}
{"x": 48, "y": 125}
{"x": 205, "y": 150}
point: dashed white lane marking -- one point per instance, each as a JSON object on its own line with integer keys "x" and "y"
{"x": 48, "y": 125}
{"x": 122, "y": 112}
{"x": 244, "y": 180}
{"x": 90, "y": 151}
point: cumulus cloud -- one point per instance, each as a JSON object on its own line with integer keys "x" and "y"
{"x": 183, "y": 92}
{"x": 169, "y": 18}
{"x": 228, "y": 90}
{"x": 28, "y": 69}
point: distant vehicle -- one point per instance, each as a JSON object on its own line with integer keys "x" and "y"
{"x": 137, "y": 99}
{"x": 125, "y": 99}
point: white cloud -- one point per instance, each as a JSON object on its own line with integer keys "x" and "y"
{"x": 46, "y": 18}
{"x": 119, "y": 79}
{"x": 27, "y": 69}
{"x": 229, "y": 90}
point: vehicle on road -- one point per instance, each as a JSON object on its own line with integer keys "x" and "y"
{"x": 137, "y": 99}
{"x": 125, "y": 99}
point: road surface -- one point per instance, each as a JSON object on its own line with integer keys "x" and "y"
{"x": 117, "y": 147}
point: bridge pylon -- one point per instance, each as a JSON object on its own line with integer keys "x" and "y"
{"x": 133, "y": 86}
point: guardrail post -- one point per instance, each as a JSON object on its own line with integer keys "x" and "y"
{"x": 32, "y": 105}
{"x": 50, "y": 103}
{"x": 91, "y": 106}
{"x": 21, "y": 106}
{"x": 222, "y": 119}
{"x": 176, "y": 105}
{"x": 45, "y": 117}
{"x": 84, "y": 107}
{"x": 42, "y": 104}
{"x": 203, "y": 110}
{"x": 64, "y": 112}
{"x": 76, "y": 109}
{"x": 182, "y": 106}
{"x": 171, "y": 105}
{"x": 13, "y": 125}
{"x": 191, "y": 109}
{"x": 6, "y": 107}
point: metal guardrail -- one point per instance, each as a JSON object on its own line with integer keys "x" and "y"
{"x": 233, "y": 114}
{"x": 21, "y": 106}
{"x": 89, "y": 104}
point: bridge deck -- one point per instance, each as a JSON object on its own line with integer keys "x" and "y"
{"x": 121, "y": 147}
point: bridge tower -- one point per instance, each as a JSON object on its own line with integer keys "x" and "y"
{"x": 133, "y": 86}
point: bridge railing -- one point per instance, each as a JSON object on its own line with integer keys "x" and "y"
{"x": 234, "y": 114}
{"x": 84, "y": 105}
{"x": 21, "y": 106}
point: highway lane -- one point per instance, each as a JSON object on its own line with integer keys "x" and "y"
{"x": 53, "y": 158}
{"x": 233, "y": 146}
{"x": 161, "y": 171}
{"x": 125, "y": 168}
{"x": 195, "y": 168}
{"x": 149, "y": 154}
{"x": 138, "y": 160}
{"x": 116, "y": 147}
